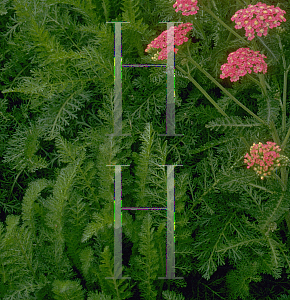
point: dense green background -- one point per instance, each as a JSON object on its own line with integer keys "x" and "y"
{"x": 56, "y": 193}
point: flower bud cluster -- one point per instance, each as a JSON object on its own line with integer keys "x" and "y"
{"x": 161, "y": 40}
{"x": 188, "y": 7}
{"x": 265, "y": 158}
{"x": 240, "y": 63}
{"x": 266, "y": 16}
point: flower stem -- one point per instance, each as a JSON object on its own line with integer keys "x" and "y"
{"x": 266, "y": 95}
{"x": 267, "y": 48}
{"x": 284, "y": 97}
{"x": 286, "y": 139}
{"x": 223, "y": 89}
{"x": 284, "y": 101}
{"x": 287, "y": 218}
{"x": 284, "y": 172}
{"x": 263, "y": 86}
{"x": 254, "y": 80}
{"x": 286, "y": 70}
{"x": 274, "y": 133}
{"x": 203, "y": 91}
{"x": 197, "y": 23}
{"x": 225, "y": 25}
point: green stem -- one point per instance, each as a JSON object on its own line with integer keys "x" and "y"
{"x": 284, "y": 173}
{"x": 263, "y": 85}
{"x": 15, "y": 182}
{"x": 265, "y": 92}
{"x": 266, "y": 95}
{"x": 225, "y": 25}
{"x": 224, "y": 90}
{"x": 286, "y": 139}
{"x": 203, "y": 91}
{"x": 260, "y": 39}
{"x": 284, "y": 105}
{"x": 274, "y": 133}
{"x": 254, "y": 80}
{"x": 284, "y": 85}
{"x": 229, "y": 36}
{"x": 246, "y": 143}
{"x": 197, "y": 23}
{"x": 259, "y": 82}
{"x": 287, "y": 218}
{"x": 284, "y": 101}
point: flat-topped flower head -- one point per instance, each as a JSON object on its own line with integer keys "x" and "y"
{"x": 161, "y": 40}
{"x": 188, "y": 7}
{"x": 258, "y": 18}
{"x": 240, "y": 63}
{"x": 264, "y": 158}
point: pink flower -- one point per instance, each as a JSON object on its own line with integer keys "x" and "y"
{"x": 240, "y": 63}
{"x": 188, "y": 7}
{"x": 266, "y": 16}
{"x": 161, "y": 40}
{"x": 264, "y": 158}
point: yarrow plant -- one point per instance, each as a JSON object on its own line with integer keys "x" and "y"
{"x": 188, "y": 7}
{"x": 265, "y": 16}
{"x": 220, "y": 209}
{"x": 240, "y": 63}
{"x": 264, "y": 158}
{"x": 161, "y": 40}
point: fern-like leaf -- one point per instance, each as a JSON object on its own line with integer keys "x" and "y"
{"x": 171, "y": 295}
{"x": 211, "y": 144}
{"x": 238, "y": 280}
{"x": 232, "y": 121}
{"x": 68, "y": 152}
{"x": 118, "y": 287}
{"x": 98, "y": 296}
{"x": 269, "y": 106}
{"x": 67, "y": 289}
{"x": 144, "y": 161}
{"x": 22, "y": 148}
{"x": 146, "y": 265}
{"x": 31, "y": 194}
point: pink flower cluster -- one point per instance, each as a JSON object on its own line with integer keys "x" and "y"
{"x": 188, "y": 7}
{"x": 264, "y": 158}
{"x": 240, "y": 62}
{"x": 161, "y": 40}
{"x": 265, "y": 17}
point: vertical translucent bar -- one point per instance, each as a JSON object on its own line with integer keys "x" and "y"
{"x": 170, "y": 131}
{"x": 118, "y": 226}
{"x": 170, "y": 263}
{"x": 170, "y": 241}
{"x": 170, "y": 107}
{"x": 170, "y": 88}
{"x": 118, "y": 80}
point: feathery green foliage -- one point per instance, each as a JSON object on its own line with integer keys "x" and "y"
{"x": 57, "y": 190}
